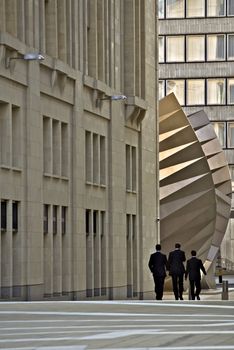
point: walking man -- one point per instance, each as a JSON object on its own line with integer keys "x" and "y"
{"x": 158, "y": 265}
{"x": 193, "y": 268}
{"x": 176, "y": 271}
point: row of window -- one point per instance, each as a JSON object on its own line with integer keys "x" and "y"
{"x": 195, "y": 8}
{"x": 95, "y": 161}
{"x": 4, "y": 215}
{"x": 95, "y": 158}
{"x": 55, "y": 147}
{"x": 10, "y": 135}
{"x": 196, "y": 48}
{"x": 50, "y": 212}
{"x": 94, "y": 222}
{"x": 225, "y": 133}
{"x": 195, "y": 92}
{"x": 54, "y": 214}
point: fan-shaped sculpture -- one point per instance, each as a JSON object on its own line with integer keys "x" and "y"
{"x": 195, "y": 184}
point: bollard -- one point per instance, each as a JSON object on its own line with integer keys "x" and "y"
{"x": 225, "y": 290}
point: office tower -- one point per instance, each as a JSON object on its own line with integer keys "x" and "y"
{"x": 196, "y": 53}
{"x": 78, "y": 148}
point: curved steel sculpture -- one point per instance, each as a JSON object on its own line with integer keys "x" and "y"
{"x": 195, "y": 184}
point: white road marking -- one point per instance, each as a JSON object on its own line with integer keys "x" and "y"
{"x": 213, "y": 347}
{"x": 53, "y": 347}
{"x": 39, "y": 330}
{"x": 74, "y": 313}
{"x": 117, "y": 334}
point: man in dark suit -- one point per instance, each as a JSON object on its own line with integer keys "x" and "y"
{"x": 176, "y": 271}
{"x": 193, "y": 268}
{"x": 158, "y": 265}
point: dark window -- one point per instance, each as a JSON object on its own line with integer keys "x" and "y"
{"x": 95, "y": 222}
{"x": 3, "y": 215}
{"x": 46, "y": 218}
{"x": 64, "y": 218}
{"x": 87, "y": 221}
{"x": 15, "y": 216}
{"x": 55, "y": 219}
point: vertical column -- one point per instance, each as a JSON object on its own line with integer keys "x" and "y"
{"x": 142, "y": 47}
{"x": 111, "y": 22}
{"x": 116, "y": 202}
{"x": 21, "y": 20}
{"x": 66, "y": 235}
{"x": 118, "y": 38}
{"x": 129, "y": 47}
{"x": 42, "y": 36}
{"x": 106, "y": 42}
{"x": 85, "y": 30}
{"x": 92, "y": 39}
{"x": 11, "y": 17}
{"x": 32, "y": 177}
{"x": 104, "y": 253}
{"x": 57, "y": 255}
{"x": 69, "y": 31}
{"x": 51, "y": 28}
{"x": 7, "y": 254}
{"x": 89, "y": 254}
{"x": 62, "y": 29}
{"x": 101, "y": 37}
{"x": 97, "y": 253}
{"x": 17, "y": 249}
{"x": 135, "y": 255}
{"x": 129, "y": 255}
{"x": 78, "y": 237}
{"x": 74, "y": 33}
{"x": 48, "y": 255}
{"x": 138, "y": 47}
{"x": 2, "y": 16}
{"x": 148, "y": 202}
{"x": 29, "y": 23}
{"x": 36, "y": 24}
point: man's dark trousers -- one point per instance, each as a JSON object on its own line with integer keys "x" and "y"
{"x": 159, "y": 283}
{"x": 178, "y": 285}
{"x": 193, "y": 284}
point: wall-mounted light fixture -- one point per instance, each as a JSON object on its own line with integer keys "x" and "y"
{"x": 27, "y": 57}
{"x": 110, "y": 98}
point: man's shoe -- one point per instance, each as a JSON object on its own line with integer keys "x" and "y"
{"x": 181, "y": 298}
{"x": 198, "y": 298}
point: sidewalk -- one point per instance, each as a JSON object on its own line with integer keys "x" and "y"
{"x": 206, "y": 294}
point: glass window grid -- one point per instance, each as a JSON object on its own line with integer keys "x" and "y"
{"x": 230, "y": 130}
{"x": 163, "y": 11}
{"x": 220, "y": 128}
{"x": 226, "y": 91}
{"x": 185, "y": 54}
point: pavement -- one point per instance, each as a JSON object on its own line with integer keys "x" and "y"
{"x": 207, "y": 324}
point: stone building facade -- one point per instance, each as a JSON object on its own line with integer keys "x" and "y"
{"x": 78, "y": 169}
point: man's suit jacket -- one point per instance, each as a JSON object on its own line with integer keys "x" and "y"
{"x": 175, "y": 262}
{"x": 193, "y": 268}
{"x": 158, "y": 264}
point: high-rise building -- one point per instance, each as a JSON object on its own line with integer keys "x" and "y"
{"x": 78, "y": 158}
{"x": 196, "y": 62}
